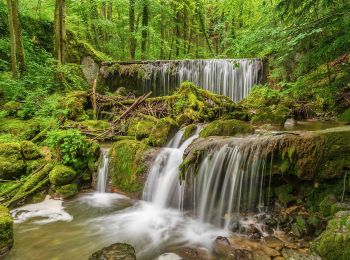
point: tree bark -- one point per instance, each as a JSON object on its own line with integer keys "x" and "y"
{"x": 12, "y": 39}
{"x": 60, "y": 31}
{"x": 132, "y": 29}
{"x": 144, "y": 34}
{"x": 18, "y": 36}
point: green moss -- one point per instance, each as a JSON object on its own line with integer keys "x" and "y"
{"x": 67, "y": 191}
{"x": 11, "y": 162}
{"x": 30, "y": 151}
{"x": 95, "y": 125}
{"x": 326, "y": 205}
{"x": 73, "y": 104}
{"x": 189, "y": 130}
{"x": 62, "y": 175}
{"x": 336, "y": 207}
{"x": 141, "y": 128}
{"x": 12, "y": 107}
{"x": 162, "y": 131}
{"x": 226, "y": 128}
{"x": 275, "y": 115}
{"x": 6, "y": 231}
{"x": 334, "y": 242}
{"x": 127, "y": 164}
{"x": 284, "y": 194}
{"x": 345, "y": 116}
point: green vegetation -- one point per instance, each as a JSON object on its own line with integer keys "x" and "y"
{"x": 6, "y": 231}
{"x": 62, "y": 175}
{"x": 226, "y": 128}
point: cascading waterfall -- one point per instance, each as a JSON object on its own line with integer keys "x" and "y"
{"x": 229, "y": 181}
{"x": 162, "y": 187}
{"x": 102, "y": 174}
{"x": 232, "y": 77}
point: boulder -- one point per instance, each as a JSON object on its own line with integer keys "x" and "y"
{"x": 62, "y": 175}
{"x": 67, "y": 191}
{"x": 227, "y": 128}
{"x": 6, "y": 231}
{"x": 118, "y": 251}
{"x": 12, "y": 164}
{"x": 30, "y": 151}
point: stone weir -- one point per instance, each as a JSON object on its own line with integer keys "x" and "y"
{"x": 230, "y": 77}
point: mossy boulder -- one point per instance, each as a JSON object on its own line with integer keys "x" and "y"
{"x": 141, "y": 128}
{"x": 6, "y": 231}
{"x": 334, "y": 242}
{"x": 62, "y": 175}
{"x": 12, "y": 107}
{"x": 226, "y": 128}
{"x": 12, "y": 164}
{"x": 162, "y": 132}
{"x": 118, "y": 251}
{"x": 189, "y": 131}
{"x": 30, "y": 151}
{"x": 276, "y": 115}
{"x": 74, "y": 104}
{"x": 127, "y": 164}
{"x": 67, "y": 191}
{"x": 284, "y": 194}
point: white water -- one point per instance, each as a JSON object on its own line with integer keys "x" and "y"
{"x": 163, "y": 187}
{"x": 233, "y": 77}
{"x": 102, "y": 174}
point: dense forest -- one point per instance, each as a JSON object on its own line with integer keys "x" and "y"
{"x": 163, "y": 129}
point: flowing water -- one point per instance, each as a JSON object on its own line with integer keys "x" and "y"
{"x": 232, "y": 77}
{"x": 76, "y": 228}
{"x": 103, "y": 171}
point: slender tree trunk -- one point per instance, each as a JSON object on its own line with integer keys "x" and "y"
{"x": 60, "y": 31}
{"x": 202, "y": 26}
{"x": 18, "y": 35}
{"x": 177, "y": 34}
{"x": 13, "y": 40}
{"x": 132, "y": 29}
{"x": 145, "y": 17}
{"x": 110, "y": 11}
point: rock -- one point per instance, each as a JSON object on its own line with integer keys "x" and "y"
{"x": 118, "y": 251}
{"x": 273, "y": 242}
{"x": 162, "y": 132}
{"x": 223, "y": 248}
{"x": 67, "y": 191}
{"x": 284, "y": 194}
{"x": 30, "y": 151}
{"x": 189, "y": 131}
{"x": 191, "y": 253}
{"x": 171, "y": 256}
{"x": 6, "y": 231}
{"x": 290, "y": 122}
{"x": 226, "y": 128}
{"x": 292, "y": 254}
{"x": 326, "y": 204}
{"x": 62, "y": 175}
{"x": 11, "y": 162}
{"x": 336, "y": 207}
{"x": 74, "y": 103}
{"x": 334, "y": 242}
{"x": 11, "y": 108}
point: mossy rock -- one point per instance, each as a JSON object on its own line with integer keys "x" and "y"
{"x": 284, "y": 194}
{"x": 226, "y": 128}
{"x": 67, "y": 191}
{"x": 95, "y": 125}
{"x": 74, "y": 104}
{"x": 127, "y": 165}
{"x": 6, "y": 231}
{"x": 141, "y": 128}
{"x": 334, "y": 242}
{"x": 12, "y": 164}
{"x": 30, "y": 151}
{"x": 118, "y": 251}
{"x": 189, "y": 131}
{"x": 62, "y": 175}
{"x": 12, "y": 107}
{"x": 326, "y": 205}
{"x": 276, "y": 115}
{"x": 345, "y": 116}
{"x": 162, "y": 132}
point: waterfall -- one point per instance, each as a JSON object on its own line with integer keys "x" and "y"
{"x": 162, "y": 187}
{"x": 232, "y": 77}
{"x": 228, "y": 181}
{"x": 102, "y": 174}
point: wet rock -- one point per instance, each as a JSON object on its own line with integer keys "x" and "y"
{"x": 6, "y": 231}
{"x": 190, "y": 253}
{"x": 223, "y": 248}
{"x": 273, "y": 242}
{"x": 226, "y": 128}
{"x": 293, "y": 254}
{"x": 290, "y": 122}
{"x": 170, "y": 256}
{"x": 118, "y": 251}
{"x": 334, "y": 242}
{"x": 62, "y": 175}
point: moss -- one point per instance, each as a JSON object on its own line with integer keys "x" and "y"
{"x": 345, "y": 116}
{"x": 141, "y": 128}
{"x": 284, "y": 194}
{"x": 95, "y": 125}
{"x": 275, "y": 115}
{"x": 127, "y": 164}
{"x": 189, "y": 130}
{"x": 334, "y": 242}
{"x": 62, "y": 175}
{"x": 336, "y": 207}
{"x": 162, "y": 131}
{"x": 226, "y": 128}
{"x": 30, "y": 151}
{"x": 6, "y": 231}
{"x": 11, "y": 162}
{"x": 73, "y": 104}
{"x": 326, "y": 205}
{"x": 115, "y": 251}
{"x": 67, "y": 191}
{"x": 12, "y": 107}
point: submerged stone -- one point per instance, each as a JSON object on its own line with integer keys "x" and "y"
{"x": 6, "y": 231}
{"x": 118, "y": 251}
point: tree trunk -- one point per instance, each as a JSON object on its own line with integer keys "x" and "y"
{"x": 132, "y": 29}
{"x": 12, "y": 39}
{"x": 18, "y": 36}
{"x": 145, "y": 17}
{"x": 110, "y": 11}
{"x": 60, "y": 31}
{"x": 202, "y": 26}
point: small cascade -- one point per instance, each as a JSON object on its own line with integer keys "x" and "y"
{"x": 162, "y": 187}
{"x": 229, "y": 181}
{"x": 231, "y": 77}
{"x": 102, "y": 174}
